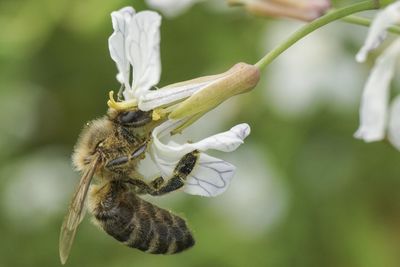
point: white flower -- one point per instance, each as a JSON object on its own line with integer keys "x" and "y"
{"x": 171, "y": 8}
{"x": 134, "y": 46}
{"x": 375, "y": 98}
{"x": 394, "y": 123}
{"x": 312, "y": 85}
{"x": 265, "y": 191}
{"x": 36, "y": 179}
{"x": 211, "y": 176}
{"x": 377, "y": 31}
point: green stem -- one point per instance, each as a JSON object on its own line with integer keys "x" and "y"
{"x": 312, "y": 26}
{"x": 367, "y": 22}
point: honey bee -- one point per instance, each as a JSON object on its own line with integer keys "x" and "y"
{"x": 110, "y": 149}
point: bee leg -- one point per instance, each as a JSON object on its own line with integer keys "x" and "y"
{"x": 116, "y": 163}
{"x": 156, "y": 183}
{"x": 158, "y": 186}
{"x": 140, "y": 186}
{"x": 181, "y": 172}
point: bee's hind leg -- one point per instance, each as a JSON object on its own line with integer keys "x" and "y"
{"x": 159, "y": 186}
{"x": 184, "y": 167}
{"x": 140, "y": 186}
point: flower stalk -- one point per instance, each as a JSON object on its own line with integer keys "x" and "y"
{"x": 318, "y": 23}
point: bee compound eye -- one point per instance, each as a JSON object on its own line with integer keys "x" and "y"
{"x": 134, "y": 118}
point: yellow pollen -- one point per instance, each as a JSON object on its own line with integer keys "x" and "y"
{"x": 158, "y": 113}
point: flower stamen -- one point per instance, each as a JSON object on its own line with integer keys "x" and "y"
{"x": 121, "y": 106}
{"x": 159, "y": 113}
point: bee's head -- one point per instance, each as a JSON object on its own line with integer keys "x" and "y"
{"x": 136, "y": 122}
{"x": 131, "y": 119}
{"x": 91, "y": 138}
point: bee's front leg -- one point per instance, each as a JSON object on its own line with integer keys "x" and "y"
{"x": 118, "y": 163}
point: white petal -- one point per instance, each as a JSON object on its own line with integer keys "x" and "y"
{"x": 147, "y": 168}
{"x": 377, "y": 31}
{"x": 394, "y": 123}
{"x": 143, "y": 49}
{"x": 116, "y": 42}
{"x": 373, "y": 110}
{"x": 211, "y": 176}
{"x": 164, "y": 96}
{"x": 227, "y": 141}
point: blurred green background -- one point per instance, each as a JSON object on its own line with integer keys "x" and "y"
{"x": 306, "y": 192}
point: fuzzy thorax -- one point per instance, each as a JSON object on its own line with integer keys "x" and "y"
{"x": 92, "y": 135}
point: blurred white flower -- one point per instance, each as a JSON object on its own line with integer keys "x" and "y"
{"x": 374, "y": 103}
{"x": 377, "y": 32}
{"x": 13, "y": 133}
{"x": 317, "y": 71}
{"x": 394, "y": 123}
{"x": 36, "y": 186}
{"x": 257, "y": 199}
{"x": 171, "y": 8}
{"x": 135, "y": 47}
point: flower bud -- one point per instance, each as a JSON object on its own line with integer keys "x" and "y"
{"x": 239, "y": 79}
{"x": 305, "y": 10}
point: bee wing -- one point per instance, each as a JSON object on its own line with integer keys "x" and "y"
{"x": 210, "y": 177}
{"x": 75, "y": 212}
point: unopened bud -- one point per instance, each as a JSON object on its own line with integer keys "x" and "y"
{"x": 305, "y": 10}
{"x": 239, "y": 79}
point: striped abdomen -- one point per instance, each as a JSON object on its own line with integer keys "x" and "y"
{"x": 140, "y": 224}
